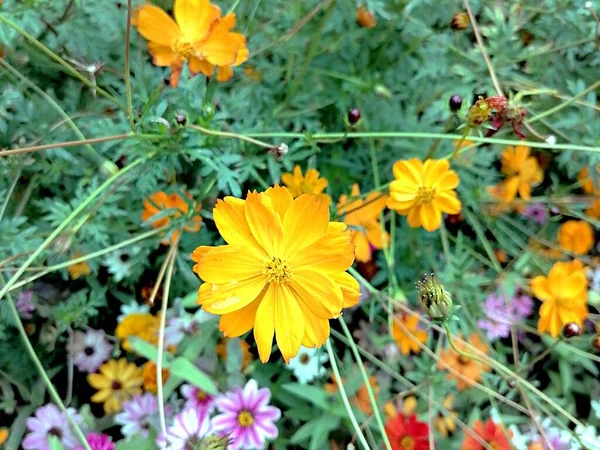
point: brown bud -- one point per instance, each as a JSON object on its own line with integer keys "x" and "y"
{"x": 460, "y": 21}
{"x": 571, "y": 330}
{"x": 512, "y": 383}
{"x": 364, "y": 18}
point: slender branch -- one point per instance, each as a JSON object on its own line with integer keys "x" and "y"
{"x": 9, "y": 192}
{"x": 225, "y": 134}
{"x": 37, "y": 148}
{"x": 564, "y": 104}
{"x": 127, "y": 68}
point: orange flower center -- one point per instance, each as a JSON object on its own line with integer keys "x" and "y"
{"x": 245, "y": 419}
{"x": 184, "y": 50}
{"x": 425, "y": 195}
{"x": 277, "y": 270}
{"x": 201, "y": 395}
{"x": 407, "y": 443}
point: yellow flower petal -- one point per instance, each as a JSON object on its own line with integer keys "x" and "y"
{"x": 289, "y": 322}
{"x": 264, "y": 325}
{"x": 241, "y": 321}
{"x": 264, "y": 224}
{"x": 300, "y": 233}
{"x": 195, "y": 18}
{"x": 233, "y": 296}
{"x": 318, "y": 292}
{"x": 156, "y": 26}
{"x": 229, "y": 263}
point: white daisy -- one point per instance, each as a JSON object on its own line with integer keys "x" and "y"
{"x": 189, "y": 429}
{"x": 308, "y": 364}
{"x": 138, "y": 415}
{"x": 89, "y": 350}
{"x": 132, "y": 307}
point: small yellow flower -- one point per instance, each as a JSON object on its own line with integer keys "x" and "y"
{"x": 405, "y": 341}
{"x": 576, "y": 236}
{"x": 80, "y": 269}
{"x": 446, "y": 422}
{"x": 423, "y": 191}
{"x": 460, "y": 21}
{"x": 282, "y": 272}
{"x": 116, "y": 383}
{"x": 310, "y": 183}
{"x": 363, "y": 218}
{"x": 3, "y": 435}
{"x": 144, "y": 326}
{"x": 564, "y": 296}
{"x": 150, "y": 378}
{"x": 364, "y": 18}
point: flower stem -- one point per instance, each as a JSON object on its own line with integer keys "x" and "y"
{"x": 365, "y": 376}
{"x": 37, "y": 148}
{"x": 128, "y": 69}
{"x": 340, "y": 383}
{"x": 40, "y": 368}
{"x": 225, "y": 134}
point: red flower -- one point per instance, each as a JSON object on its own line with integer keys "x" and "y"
{"x": 406, "y": 433}
{"x": 491, "y": 433}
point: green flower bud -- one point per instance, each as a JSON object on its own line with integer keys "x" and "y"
{"x": 435, "y": 300}
{"x": 214, "y": 442}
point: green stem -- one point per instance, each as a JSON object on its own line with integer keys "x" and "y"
{"x": 340, "y": 383}
{"x": 40, "y": 368}
{"x": 65, "y": 223}
{"x": 127, "y": 68}
{"x": 9, "y": 193}
{"x": 58, "y": 59}
{"x": 564, "y": 104}
{"x": 365, "y": 376}
{"x": 225, "y": 134}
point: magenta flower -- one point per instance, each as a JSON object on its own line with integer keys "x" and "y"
{"x": 99, "y": 441}
{"x": 50, "y": 421}
{"x": 246, "y": 417}
{"x": 198, "y": 399}
{"x": 501, "y": 314}
{"x": 24, "y": 304}
{"x": 188, "y": 431}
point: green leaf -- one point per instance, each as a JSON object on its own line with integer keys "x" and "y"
{"x": 138, "y": 442}
{"x": 148, "y": 351}
{"x": 321, "y": 432}
{"x": 312, "y": 394}
{"x": 55, "y": 443}
{"x": 189, "y": 301}
{"x": 186, "y": 370}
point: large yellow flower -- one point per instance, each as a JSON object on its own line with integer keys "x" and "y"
{"x": 576, "y": 236}
{"x": 198, "y": 36}
{"x": 522, "y": 172}
{"x": 363, "y": 217}
{"x": 310, "y": 183}
{"x": 117, "y": 382}
{"x": 564, "y": 296}
{"x": 282, "y": 271}
{"x": 423, "y": 191}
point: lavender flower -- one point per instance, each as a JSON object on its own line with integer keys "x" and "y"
{"x": 89, "y": 350}
{"x": 246, "y": 417}
{"x": 536, "y": 212}
{"x": 501, "y": 314}
{"x": 187, "y": 325}
{"x": 24, "y": 304}
{"x": 50, "y": 421}
{"x": 189, "y": 429}
{"x": 137, "y": 415}
{"x": 198, "y": 399}
{"x": 99, "y": 441}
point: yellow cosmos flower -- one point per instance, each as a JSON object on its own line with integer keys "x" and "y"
{"x": 564, "y": 296}
{"x": 150, "y": 379}
{"x": 405, "y": 342}
{"x": 522, "y": 172}
{"x": 423, "y": 191}
{"x": 117, "y": 382}
{"x": 144, "y": 326}
{"x": 310, "y": 183}
{"x": 80, "y": 269}
{"x": 363, "y": 218}
{"x": 198, "y": 36}
{"x": 576, "y": 236}
{"x": 160, "y": 202}
{"x": 282, "y": 271}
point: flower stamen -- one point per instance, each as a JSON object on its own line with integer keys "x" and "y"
{"x": 245, "y": 419}
{"x": 278, "y": 270}
{"x": 425, "y": 195}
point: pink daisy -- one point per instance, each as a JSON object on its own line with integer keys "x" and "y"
{"x": 50, "y": 421}
{"x": 99, "y": 441}
{"x": 246, "y": 417}
{"x": 190, "y": 428}
{"x": 198, "y": 399}
{"x": 138, "y": 415}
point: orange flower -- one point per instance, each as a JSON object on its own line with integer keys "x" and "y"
{"x": 593, "y": 210}
{"x": 423, "y": 191}
{"x": 364, "y": 18}
{"x": 198, "y": 36}
{"x": 361, "y": 400}
{"x": 3, "y": 435}
{"x": 522, "y": 171}
{"x": 492, "y": 434}
{"x": 77, "y": 270}
{"x": 587, "y": 183}
{"x": 467, "y": 367}
{"x": 405, "y": 342}
{"x": 159, "y": 202}
{"x": 362, "y": 216}
{"x": 310, "y": 183}
{"x": 564, "y": 296}
{"x": 150, "y": 378}
{"x": 576, "y": 236}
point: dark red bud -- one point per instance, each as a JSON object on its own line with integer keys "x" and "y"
{"x": 353, "y": 116}
{"x": 571, "y": 330}
{"x": 181, "y": 119}
{"x": 455, "y": 103}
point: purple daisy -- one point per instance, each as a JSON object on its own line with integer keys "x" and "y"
{"x": 99, "y": 441}
{"x": 89, "y": 350}
{"x": 198, "y": 399}
{"x": 24, "y": 304}
{"x": 50, "y": 421}
{"x": 246, "y": 417}
{"x": 536, "y": 212}
{"x": 189, "y": 429}
{"x": 138, "y": 415}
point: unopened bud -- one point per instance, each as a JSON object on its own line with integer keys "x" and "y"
{"x": 214, "y": 442}
{"x": 353, "y": 116}
{"x": 181, "y": 119}
{"x": 512, "y": 383}
{"x": 435, "y": 300}
{"x": 571, "y": 330}
{"x": 280, "y": 151}
{"x": 460, "y": 21}
{"x": 479, "y": 113}
{"x": 455, "y": 103}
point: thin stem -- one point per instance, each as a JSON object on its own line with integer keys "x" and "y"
{"x": 481, "y": 45}
{"x": 225, "y": 134}
{"x": 65, "y": 223}
{"x": 40, "y": 368}
{"x": 37, "y": 148}
{"x": 543, "y": 354}
{"x": 340, "y": 383}
{"x": 127, "y": 68}
{"x": 161, "y": 335}
{"x": 565, "y": 103}
{"x": 58, "y": 59}
{"x": 367, "y": 384}
{"x": 9, "y": 193}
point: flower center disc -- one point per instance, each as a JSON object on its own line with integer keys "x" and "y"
{"x": 201, "y": 395}
{"x": 407, "y": 443}
{"x": 277, "y": 270}
{"x": 184, "y": 50}
{"x": 245, "y": 419}
{"x": 425, "y": 195}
